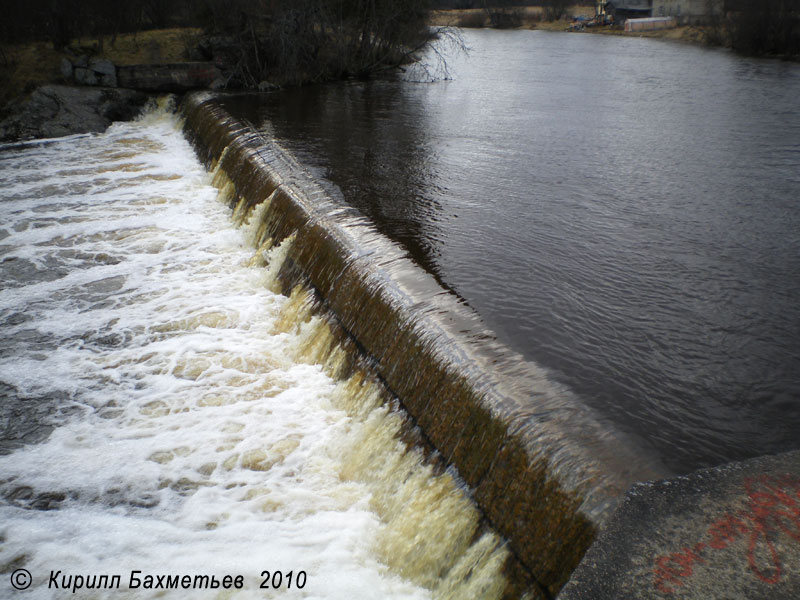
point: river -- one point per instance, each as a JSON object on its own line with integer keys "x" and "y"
{"x": 621, "y": 211}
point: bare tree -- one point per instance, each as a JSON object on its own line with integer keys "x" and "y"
{"x": 716, "y": 27}
{"x": 297, "y": 41}
{"x": 555, "y": 9}
{"x": 503, "y": 14}
{"x": 766, "y": 27}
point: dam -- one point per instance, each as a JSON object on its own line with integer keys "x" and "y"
{"x": 543, "y": 470}
{"x": 219, "y": 369}
{"x": 176, "y": 380}
{"x": 630, "y": 229}
{"x": 168, "y": 412}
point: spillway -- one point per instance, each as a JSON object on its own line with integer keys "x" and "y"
{"x": 168, "y": 413}
{"x": 543, "y": 469}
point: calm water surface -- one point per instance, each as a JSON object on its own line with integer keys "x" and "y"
{"x": 624, "y": 212}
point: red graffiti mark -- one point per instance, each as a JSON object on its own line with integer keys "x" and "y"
{"x": 773, "y": 507}
{"x": 673, "y": 567}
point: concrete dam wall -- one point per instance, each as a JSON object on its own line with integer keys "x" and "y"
{"x": 543, "y": 469}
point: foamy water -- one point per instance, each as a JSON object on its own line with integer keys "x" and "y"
{"x": 165, "y": 412}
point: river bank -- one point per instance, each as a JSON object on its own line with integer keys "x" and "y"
{"x": 533, "y": 17}
{"x": 38, "y": 95}
{"x": 165, "y": 55}
{"x": 586, "y": 241}
{"x": 25, "y": 67}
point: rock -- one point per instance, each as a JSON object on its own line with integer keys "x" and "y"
{"x": 108, "y": 80}
{"x": 82, "y": 61}
{"x": 102, "y": 66}
{"x": 201, "y": 52}
{"x": 58, "y": 110}
{"x": 105, "y": 71}
{"x": 97, "y": 71}
{"x": 177, "y": 77}
{"x": 66, "y": 69}
{"x": 728, "y": 532}
{"x": 85, "y": 76}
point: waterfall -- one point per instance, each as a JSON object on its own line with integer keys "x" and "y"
{"x": 543, "y": 469}
{"x": 167, "y": 413}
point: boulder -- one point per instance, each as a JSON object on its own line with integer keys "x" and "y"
{"x": 85, "y": 76}
{"x": 105, "y": 71}
{"x": 59, "y": 110}
{"x": 66, "y": 69}
{"x": 102, "y": 66}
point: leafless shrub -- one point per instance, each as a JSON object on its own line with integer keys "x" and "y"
{"x": 504, "y": 17}
{"x": 555, "y": 9}
{"x": 290, "y": 42}
{"x": 434, "y": 66}
{"x": 472, "y": 19}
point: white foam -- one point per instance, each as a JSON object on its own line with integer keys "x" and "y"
{"x": 199, "y": 446}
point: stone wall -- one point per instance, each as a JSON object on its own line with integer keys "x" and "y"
{"x": 163, "y": 78}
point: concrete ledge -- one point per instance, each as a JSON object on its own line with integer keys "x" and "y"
{"x": 650, "y": 24}
{"x": 728, "y": 532}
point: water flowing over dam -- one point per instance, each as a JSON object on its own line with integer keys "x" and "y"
{"x": 183, "y": 394}
{"x": 544, "y": 470}
{"x": 620, "y": 211}
{"x": 166, "y": 411}
{"x": 376, "y": 339}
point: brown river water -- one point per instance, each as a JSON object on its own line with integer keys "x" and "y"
{"x": 623, "y": 212}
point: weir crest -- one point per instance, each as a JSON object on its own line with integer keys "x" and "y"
{"x": 543, "y": 469}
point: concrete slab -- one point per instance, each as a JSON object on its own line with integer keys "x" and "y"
{"x": 729, "y": 532}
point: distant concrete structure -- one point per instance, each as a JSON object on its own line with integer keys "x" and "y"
{"x": 685, "y": 11}
{"x": 650, "y": 24}
{"x": 175, "y": 77}
{"x": 625, "y": 9}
